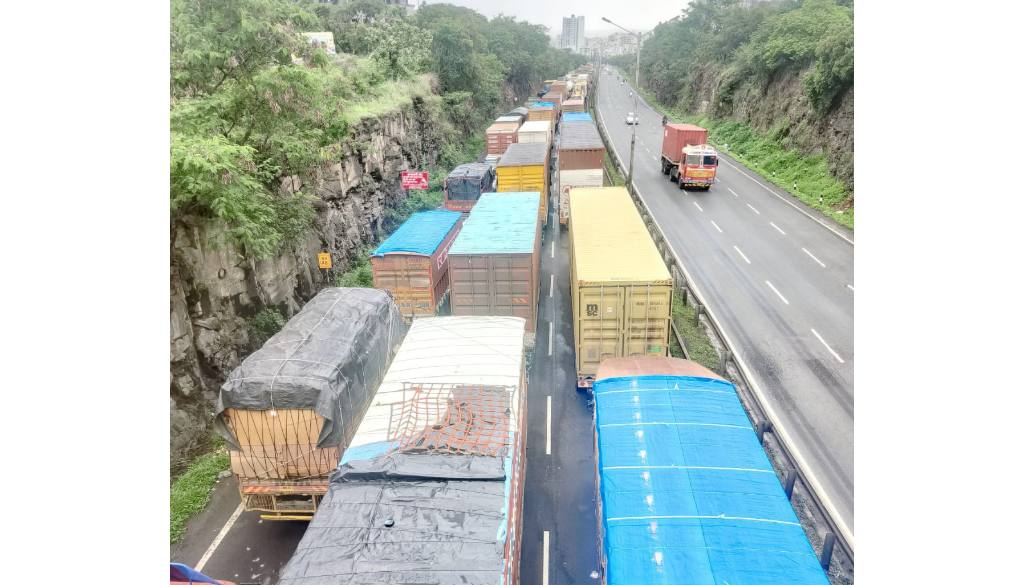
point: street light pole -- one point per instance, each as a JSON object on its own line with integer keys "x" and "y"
{"x": 636, "y": 100}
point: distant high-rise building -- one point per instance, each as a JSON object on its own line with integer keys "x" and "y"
{"x": 572, "y": 34}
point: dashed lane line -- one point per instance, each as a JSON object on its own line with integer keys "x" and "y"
{"x": 716, "y": 226}
{"x": 753, "y": 209}
{"x": 813, "y": 257}
{"x": 777, "y": 227}
{"x": 771, "y": 286}
{"x": 698, "y": 206}
{"x": 830, "y": 350}
{"x": 740, "y": 252}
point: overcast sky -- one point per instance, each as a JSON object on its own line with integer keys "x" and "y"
{"x": 632, "y": 14}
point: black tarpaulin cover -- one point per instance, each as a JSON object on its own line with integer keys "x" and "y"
{"x": 329, "y": 357}
{"x": 407, "y": 518}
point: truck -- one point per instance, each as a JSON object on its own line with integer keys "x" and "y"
{"x": 686, "y": 157}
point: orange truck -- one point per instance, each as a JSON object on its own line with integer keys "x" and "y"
{"x": 687, "y": 158}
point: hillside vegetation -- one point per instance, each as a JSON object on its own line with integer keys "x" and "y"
{"x": 776, "y": 77}
{"x": 252, "y": 101}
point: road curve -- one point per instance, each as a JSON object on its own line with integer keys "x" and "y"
{"x": 778, "y": 276}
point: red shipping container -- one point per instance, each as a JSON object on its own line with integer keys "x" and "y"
{"x": 677, "y": 136}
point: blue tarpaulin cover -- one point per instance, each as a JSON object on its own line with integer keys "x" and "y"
{"x": 420, "y": 234}
{"x": 688, "y": 495}
{"x": 542, "y": 105}
{"x": 576, "y": 117}
{"x": 500, "y": 223}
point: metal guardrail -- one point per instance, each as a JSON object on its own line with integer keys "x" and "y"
{"x": 837, "y": 556}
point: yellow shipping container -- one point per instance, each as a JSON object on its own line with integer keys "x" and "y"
{"x": 523, "y": 168}
{"x": 621, "y": 288}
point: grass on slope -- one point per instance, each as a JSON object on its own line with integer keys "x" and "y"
{"x": 386, "y": 97}
{"x": 191, "y": 491}
{"x": 805, "y": 177}
{"x": 697, "y": 341}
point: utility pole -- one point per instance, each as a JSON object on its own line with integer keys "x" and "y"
{"x": 636, "y": 99}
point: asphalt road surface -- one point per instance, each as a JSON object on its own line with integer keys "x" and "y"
{"x": 778, "y": 276}
{"x": 561, "y": 490}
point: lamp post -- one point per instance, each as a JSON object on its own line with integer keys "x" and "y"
{"x": 636, "y": 98}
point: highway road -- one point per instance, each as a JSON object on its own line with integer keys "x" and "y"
{"x": 778, "y": 276}
{"x": 560, "y": 514}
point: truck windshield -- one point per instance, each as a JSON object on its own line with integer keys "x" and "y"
{"x": 710, "y": 161}
{"x": 693, "y": 159}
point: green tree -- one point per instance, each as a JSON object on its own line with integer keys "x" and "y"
{"x": 214, "y": 41}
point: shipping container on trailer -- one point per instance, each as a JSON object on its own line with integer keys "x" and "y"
{"x": 535, "y": 131}
{"x": 571, "y": 180}
{"x": 520, "y": 111}
{"x": 541, "y": 111}
{"x": 686, "y": 157}
{"x": 495, "y": 260}
{"x": 676, "y": 136}
{"x": 412, "y": 264}
{"x": 288, "y": 411}
{"x": 524, "y": 167}
{"x": 686, "y": 493}
{"x": 580, "y": 146}
{"x": 581, "y": 155}
{"x": 464, "y": 185}
{"x": 572, "y": 105}
{"x": 508, "y": 118}
{"x": 431, "y": 488}
{"x": 621, "y": 289}
{"x": 500, "y": 135}
{"x": 555, "y": 97}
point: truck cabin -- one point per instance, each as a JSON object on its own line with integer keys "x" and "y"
{"x": 700, "y": 156}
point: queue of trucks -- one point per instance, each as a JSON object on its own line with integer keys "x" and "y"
{"x": 393, "y": 419}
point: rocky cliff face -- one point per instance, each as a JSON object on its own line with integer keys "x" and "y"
{"x": 781, "y": 108}
{"x": 215, "y": 288}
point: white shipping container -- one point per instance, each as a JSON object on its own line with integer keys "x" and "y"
{"x": 575, "y": 178}
{"x": 535, "y": 131}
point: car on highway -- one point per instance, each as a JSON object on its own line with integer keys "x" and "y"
{"x": 632, "y": 118}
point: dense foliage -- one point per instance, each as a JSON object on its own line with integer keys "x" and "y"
{"x": 252, "y": 102}
{"x": 751, "y": 44}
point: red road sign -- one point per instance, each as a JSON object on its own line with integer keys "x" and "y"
{"x": 415, "y": 180}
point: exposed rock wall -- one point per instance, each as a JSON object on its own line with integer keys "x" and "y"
{"x": 781, "y": 108}
{"x": 215, "y": 288}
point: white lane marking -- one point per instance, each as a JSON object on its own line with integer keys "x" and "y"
{"x": 740, "y": 252}
{"x": 788, "y": 202}
{"x": 548, "y": 446}
{"x": 752, "y": 209}
{"x": 547, "y": 544}
{"x": 716, "y": 226}
{"x": 777, "y": 227}
{"x": 551, "y": 330}
{"x": 220, "y": 536}
{"x": 849, "y": 286}
{"x": 552, "y": 248}
{"x": 830, "y": 350}
{"x": 770, "y": 285}
{"x": 551, "y": 289}
{"x": 698, "y": 206}
{"x": 733, "y": 192}
{"x": 806, "y": 251}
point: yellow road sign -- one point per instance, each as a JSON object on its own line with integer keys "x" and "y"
{"x": 324, "y": 259}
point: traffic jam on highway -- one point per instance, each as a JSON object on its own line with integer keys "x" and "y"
{"x": 503, "y": 406}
